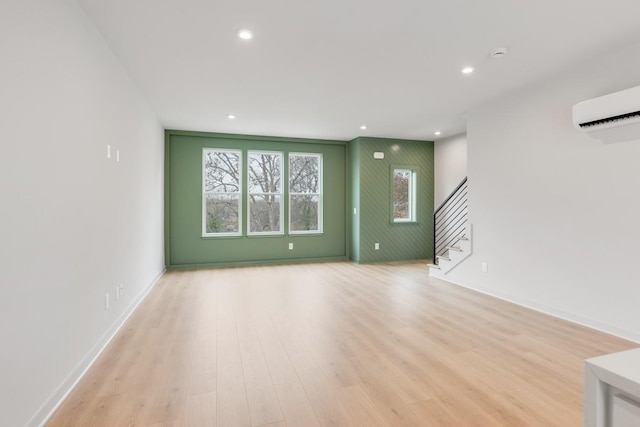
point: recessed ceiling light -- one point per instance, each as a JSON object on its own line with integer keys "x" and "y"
{"x": 245, "y": 34}
{"x": 467, "y": 70}
{"x": 438, "y": 133}
{"x": 231, "y": 116}
{"x": 363, "y": 127}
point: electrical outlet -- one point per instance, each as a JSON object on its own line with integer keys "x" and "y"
{"x": 376, "y": 246}
{"x": 117, "y": 293}
{"x": 106, "y": 301}
{"x": 108, "y": 151}
{"x": 290, "y": 246}
{"x": 117, "y": 155}
{"x": 484, "y": 267}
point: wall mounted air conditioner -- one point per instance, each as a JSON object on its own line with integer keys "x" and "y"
{"x": 610, "y": 118}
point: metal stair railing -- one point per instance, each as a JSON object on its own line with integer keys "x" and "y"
{"x": 450, "y": 221}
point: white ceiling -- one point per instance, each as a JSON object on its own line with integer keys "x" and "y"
{"x": 320, "y": 69}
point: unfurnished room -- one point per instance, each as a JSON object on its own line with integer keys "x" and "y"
{"x": 271, "y": 213}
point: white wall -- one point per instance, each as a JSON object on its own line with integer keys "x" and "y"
{"x": 72, "y": 223}
{"x": 555, "y": 213}
{"x": 450, "y": 165}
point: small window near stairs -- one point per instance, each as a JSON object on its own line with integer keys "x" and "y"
{"x": 404, "y": 194}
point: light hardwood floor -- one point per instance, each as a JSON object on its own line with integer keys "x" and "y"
{"x": 334, "y": 344}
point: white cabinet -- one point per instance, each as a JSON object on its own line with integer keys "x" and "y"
{"x": 625, "y": 412}
{"x": 612, "y": 390}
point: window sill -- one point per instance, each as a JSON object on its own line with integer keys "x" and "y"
{"x": 305, "y": 233}
{"x": 223, "y": 236}
{"x": 270, "y": 235}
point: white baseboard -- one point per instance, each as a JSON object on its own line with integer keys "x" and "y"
{"x": 60, "y": 394}
{"x": 570, "y": 317}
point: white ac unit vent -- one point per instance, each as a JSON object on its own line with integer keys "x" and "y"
{"x": 611, "y": 118}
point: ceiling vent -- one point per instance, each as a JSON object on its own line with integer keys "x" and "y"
{"x": 610, "y": 118}
{"x": 499, "y": 53}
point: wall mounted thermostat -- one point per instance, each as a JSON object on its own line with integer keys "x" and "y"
{"x": 378, "y": 155}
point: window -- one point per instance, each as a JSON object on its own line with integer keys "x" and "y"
{"x": 264, "y": 181}
{"x": 404, "y": 195}
{"x": 264, "y": 193}
{"x": 305, "y": 193}
{"x": 221, "y": 202}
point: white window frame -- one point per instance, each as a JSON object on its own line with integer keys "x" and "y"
{"x": 412, "y": 194}
{"x": 204, "y": 193}
{"x": 320, "y": 194}
{"x": 281, "y": 194}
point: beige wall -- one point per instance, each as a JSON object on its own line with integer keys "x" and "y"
{"x": 73, "y": 224}
{"x": 554, "y": 211}
{"x": 450, "y": 165}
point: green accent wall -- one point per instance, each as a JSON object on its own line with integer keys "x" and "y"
{"x": 371, "y": 195}
{"x": 354, "y": 155}
{"x": 184, "y": 245}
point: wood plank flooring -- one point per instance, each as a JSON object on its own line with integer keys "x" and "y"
{"x": 334, "y": 344}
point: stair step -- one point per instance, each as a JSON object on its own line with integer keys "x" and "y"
{"x": 454, "y": 248}
{"x": 443, "y": 257}
{"x": 433, "y": 266}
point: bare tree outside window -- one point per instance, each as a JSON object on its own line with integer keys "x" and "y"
{"x": 221, "y": 192}
{"x": 265, "y": 192}
{"x": 305, "y": 193}
{"x": 403, "y": 195}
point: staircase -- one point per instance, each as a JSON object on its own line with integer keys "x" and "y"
{"x": 452, "y": 232}
{"x": 454, "y": 255}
